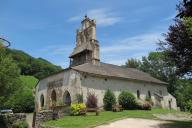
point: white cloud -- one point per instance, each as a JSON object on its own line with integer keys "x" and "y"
{"x": 116, "y": 62}
{"x": 131, "y": 47}
{"x": 169, "y": 18}
{"x": 57, "y": 50}
{"x": 139, "y": 42}
{"x": 103, "y": 17}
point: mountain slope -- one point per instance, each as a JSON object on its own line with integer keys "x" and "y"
{"x": 37, "y": 67}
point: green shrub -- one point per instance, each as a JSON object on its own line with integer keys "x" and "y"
{"x": 109, "y": 100}
{"x": 146, "y": 105}
{"x": 189, "y": 106}
{"x": 78, "y": 109}
{"x": 20, "y": 124}
{"x": 91, "y": 101}
{"x": 21, "y": 101}
{"x": 127, "y": 100}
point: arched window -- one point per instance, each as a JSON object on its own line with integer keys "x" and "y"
{"x": 67, "y": 98}
{"x": 53, "y": 98}
{"x": 42, "y": 100}
{"x": 149, "y": 94}
{"x": 138, "y": 94}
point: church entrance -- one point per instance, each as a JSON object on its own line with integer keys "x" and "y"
{"x": 67, "y": 98}
{"x": 53, "y": 98}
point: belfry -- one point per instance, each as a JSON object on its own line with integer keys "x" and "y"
{"x": 87, "y": 46}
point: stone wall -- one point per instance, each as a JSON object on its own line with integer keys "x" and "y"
{"x": 43, "y": 116}
{"x": 7, "y": 121}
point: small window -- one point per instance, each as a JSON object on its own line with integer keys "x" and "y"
{"x": 42, "y": 100}
{"x": 138, "y": 94}
{"x": 105, "y": 79}
{"x": 149, "y": 94}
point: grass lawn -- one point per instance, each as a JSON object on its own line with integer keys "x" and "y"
{"x": 91, "y": 120}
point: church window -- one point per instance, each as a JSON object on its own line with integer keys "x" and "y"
{"x": 149, "y": 94}
{"x": 138, "y": 94}
{"x": 53, "y": 98}
{"x": 67, "y": 98}
{"x": 42, "y": 100}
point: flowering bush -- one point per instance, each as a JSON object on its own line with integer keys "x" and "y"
{"x": 91, "y": 101}
{"x": 78, "y": 109}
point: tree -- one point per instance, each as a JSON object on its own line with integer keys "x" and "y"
{"x": 185, "y": 9}
{"x": 156, "y": 65}
{"x": 109, "y": 100}
{"x": 9, "y": 76}
{"x": 178, "y": 46}
{"x": 183, "y": 92}
{"x": 21, "y": 101}
{"x": 133, "y": 63}
{"x": 178, "y": 40}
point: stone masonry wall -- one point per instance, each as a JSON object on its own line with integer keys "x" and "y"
{"x": 6, "y": 121}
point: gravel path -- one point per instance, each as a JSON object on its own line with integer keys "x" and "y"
{"x": 175, "y": 116}
{"x": 134, "y": 123}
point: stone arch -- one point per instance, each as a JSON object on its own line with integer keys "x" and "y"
{"x": 42, "y": 100}
{"x": 53, "y": 97}
{"x": 67, "y": 98}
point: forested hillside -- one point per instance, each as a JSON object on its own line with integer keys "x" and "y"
{"x": 19, "y": 73}
{"x": 37, "y": 67}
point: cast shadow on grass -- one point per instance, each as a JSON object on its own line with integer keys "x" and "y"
{"x": 176, "y": 124}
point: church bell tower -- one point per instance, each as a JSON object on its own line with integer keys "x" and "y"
{"x": 87, "y": 47}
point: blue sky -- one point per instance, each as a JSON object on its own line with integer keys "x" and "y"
{"x": 125, "y": 28}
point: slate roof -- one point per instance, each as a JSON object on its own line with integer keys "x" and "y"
{"x": 81, "y": 48}
{"x": 116, "y": 71}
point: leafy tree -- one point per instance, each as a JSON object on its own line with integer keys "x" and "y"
{"x": 21, "y": 101}
{"x": 133, "y": 63}
{"x": 178, "y": 46}
{"x": 109, "y": 99}
{"x": 156, "y": 65}
{"x": 178, "y": 40}
{"x": 183, "y": 92}
{"x": 9, "y": 76}
{"x": 185, "y": 9}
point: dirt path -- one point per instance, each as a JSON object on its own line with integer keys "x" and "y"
{"x": 134, "y": 123}
{"x": 29, "y": 119}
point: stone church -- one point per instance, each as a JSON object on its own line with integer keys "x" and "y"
{"x": 87, "y": 74}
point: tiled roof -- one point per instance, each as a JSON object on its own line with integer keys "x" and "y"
{"x": 117, "y": 71}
